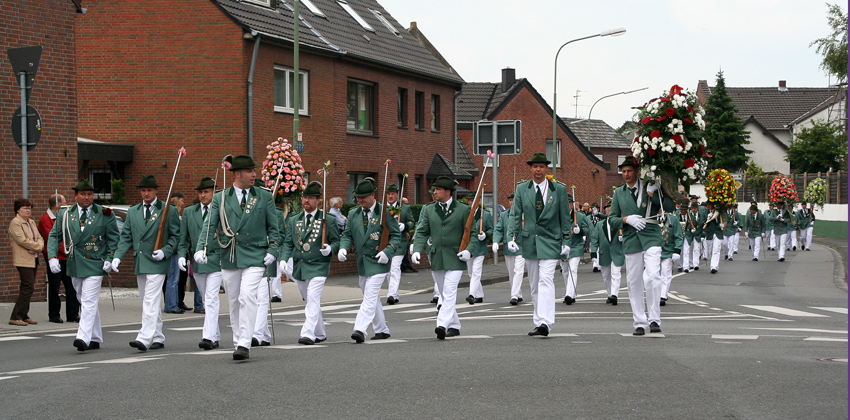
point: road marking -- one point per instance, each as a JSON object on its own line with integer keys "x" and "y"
{"x": 207, "y": 352}
{"x": 8, "y": 377}
{"x": 420, "y": 311}
{"x": 843, "y": 340}
{"x": 125, "y": 331}
{"x": 296, "y": 346}
{"x": 406, "y": 305}
{"x": 18, "y": 338}
{"x": 831, "y": 309}
{"x": 61, "y": 335}
{"x": 562, "y": 335}
{"x": 46, "y": 370}
{"x": 814, "y": 330}
{"x": 386, "y": 341}
{"x": 733, "y": 337}
{"x": 785, "y": 311}
{"x": 652, "y": 335}
{"x": 127, "y": 360}
{"x": 187, "y": 329}
{"x": 458, "y": 337}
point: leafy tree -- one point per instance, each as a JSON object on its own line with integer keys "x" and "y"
{"x": 834, "y": 47}
{"x": 819, "y": 148}
{"x": 724, "y": 132}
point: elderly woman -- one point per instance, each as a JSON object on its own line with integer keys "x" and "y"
{"x": 336, "y": 206}
{"x": 26, "y": 243}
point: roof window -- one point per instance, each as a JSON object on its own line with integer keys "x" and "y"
{"x": 386, "y": 22}
{"x": 354, "y": 14}
{"x": 316, "y": 11}
{"x": 267, "y": 3}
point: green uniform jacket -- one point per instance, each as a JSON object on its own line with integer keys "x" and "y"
{"x": 731, "y": 227}
{"x": 623, "y": 204}
{"x": 191, "y": 225}
{"x": 780, "y": 227}
{"x": 605, "y": 242}
{"x": 93, "y": 245}
{"x": 768, "y": 224}
{"x": 698, "y": 221}
{"x": 501, "y": 230}
{"x": 405, "y": 217}
{"x": 754, "y": 224}
{"x": 673, "y": 240}
{"x": 712, "y": 229}
{"x": 540, "y": 239}
{"x": 367, "y": 239}
{"x": 255, "y": 230}
{"x": 804, "y": 220}
{"x": 310, "y": 263}
{"x": 576, "y": 241}
{"x": 141, "y": 236}
{"x": 445, "y": 232}
{"x": 479, "y": 248}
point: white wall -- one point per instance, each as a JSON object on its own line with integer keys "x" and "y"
{"x": 767, "y": 153}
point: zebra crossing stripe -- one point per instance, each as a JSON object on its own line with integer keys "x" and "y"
{"x": 18, "y": 338}
{"x": 785, "y": 311}
{"x": 830, "y": 309}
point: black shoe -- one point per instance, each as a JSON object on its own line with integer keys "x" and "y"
{"x": 380, "y": 336}
{"x": 438, "y": 307}
{"x": 639, "y": 331}
{"x": 184, "y": 307}
{"x": 730, "y": 259}
{"x": 276, "y": 299}
{"x": 654, "y": 327}
{"x": 569, "y": 300}
{"x": 157, "y": 346}
{"x": 306, "y": 341}
{"x": 206, "y": 344}
{"x": 696, "y": 268}
{"x": 265, "y": 343}
{"x": 241, "y": 353}
{"x": 687, "y": 271}
{"x": 755, "y": 259}
{"x": 595, "y": 269}
{"x": 794, "y": 248}
{"x": 726, "y": 257}
{"x": 441, "y": 333}
{"x": 663, "y": 302}
{"x": 614, "y": 300}
{"x": 713, "y": 271}
{"x": 178, "y": 311}
{"x": 452, "y": 332}
{"x": 391, "y": 300}
{"x": 435, "y": 300}
{"x": 681, "y": 269}
{"x": 77, "y": 320}
{"x": 514, "y": 301}
{"x": 519, "y": 299}
{"x": 470, "y": 299}
{"x": 94, "y": 345}
{"x": 255, "y": 342}
{"x": 56, "y": 320}
{"x": 358, "y": 337}
{"x": 319, "y": 340}
{"x": 138, "y": 345}
{"x": 609, "y": 299}
{"x": 479, "y": 300}
{"x": 80, "y": 345}
{"x": 734, "y": 252}
{"x": 782, "y": 259}
{"x": 541, "y": 330}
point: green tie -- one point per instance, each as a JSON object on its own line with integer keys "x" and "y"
{"x": 634, "y": 192}
{"x": 204, "y": 214}
{"x": 147, "y": 212}
{"x": 84, "y": 216}
{"x": 365, "y": 217}
{"x": 244, "y": 197}
{"x": 539, "y": 203}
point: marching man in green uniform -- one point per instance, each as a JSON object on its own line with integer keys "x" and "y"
{"x": 806, "y": 224}
{"x": 633, "y": 207}
{"x": 712, "y": 230}
{"x": 305, "y": 258}
{"x": 88, "y": 234}
{"x": 364, "y": 231}
{"x": 443, "y": 224}
{"x": 671, "y": 252}
{"x": 607, "y": 243}
{"x": 770, "y": 240}
{"x": 479, "y": 236}
{"x": 780, "y": 218}
{"x": 244, "y": 225}
{"x": 754, "y": 230}
{"x": 541, "y": 225}
{"x": 569, "y": 267}
{"x": 207, "y": 276}
{"x": 691, "y": 251}
{"x": 404, "y": 217}
{"x": 730, "y": 232}
{"x": 140, "y": 231}
{"x": 513, "y": 260}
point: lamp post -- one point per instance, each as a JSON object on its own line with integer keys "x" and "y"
{"x": 610, "y": 32}
{"x": 606, "y": 96}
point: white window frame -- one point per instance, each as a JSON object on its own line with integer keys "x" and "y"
{"x": 266, "y": 3}
{"x": 305, "y": 97}
{"x": 101, "y": 196}
{"x": 386, "y": 22}
{"x": 371, "y": 105}
{"x": 353, "y": 13}
{"x": 556, "y": 160}
{"x": 620, "y": 160}
{"x": 316, "y": 11}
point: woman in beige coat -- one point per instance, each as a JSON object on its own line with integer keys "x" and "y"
{"x": 26, "y": 244}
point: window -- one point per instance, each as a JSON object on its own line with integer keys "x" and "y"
{"x": 435, "y": 112}
{"x": 402, "y": 108}
{"x": 620, "y": 160}
{"x": 284, "y": 91}
{"x": 354, "y": 14}
{"x": 267, "y": 3}
{"x": 556, "y": 158}
{"x": 316, "y": 11}
{"x": 386, "y": 22}
{"x": 353, "y": 179}
{"x": 101, "y": 180}
{"x": 419, "y": 104}
{"x": 599, "y": 157}
{"x": 361, "y": 107}
{"x": 417, "y": 190}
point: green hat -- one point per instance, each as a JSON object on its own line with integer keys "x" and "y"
{"x": 754, "y": 207}
{"x": 148, "y": 181}
{"x": 570, "y": 197}
{"x": 314, "y": 189}
{"x": 242, "y": 162}
{"x": 628, "y": 161}
{"x": 364, "y": 188}
{"x": 538, "y": 158}
{"x": 392, "y": 188}
{"x": 803, "y": 203}
{"x": 431, "y": 190}
{"x": 694, "y": 197}
{"x": 83, "y": 185}
{"x": 511, "y": 196}
{"x": 445, "y": 182}
{"x": 734, "y": 205}
{"x": 694, "y": 205}
{"x": 206, "y": 182}
{"x": 707, "y": 203}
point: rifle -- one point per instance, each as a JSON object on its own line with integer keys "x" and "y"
{"x": 324, "y": 203}
{"x": 385, "y": 232}
{"x": 161, "y": 230}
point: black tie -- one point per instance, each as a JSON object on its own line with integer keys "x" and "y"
{"x": 84, "y": 216}
{"x": 365, "y": 217}
{"x": 147, "y": 212}
{"x": 444, "y": 207}
{"x": 309, "y": 219}
{"x": 204, "y": 214}
{"x": 634, "y": 192}
{"x": 539, "y": 203}
{"x": 244, "y": 198}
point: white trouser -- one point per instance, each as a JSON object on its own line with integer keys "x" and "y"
{"x": 541, "y": 278}
{"x": 88, "y": 293}
{"x": 516, "y": 271}
{"x": 394, "y": 276}
{"x": 447, "y": 281}
{"x": 437, "y": 293}
{"x": 473, "y": 267}
{"x": 770, "y": 239}
{"x": 685, "y": 261}
{"x": 666, "y": 275}
{"x": 150, "y": 290}
{"x": 371, "y": 311}
{"x": 569, "y": 269}
{"x": 311, "y": 292}
{"x": 781, "y": 248}
{"x": 791, "y": 238}
{"x": 241, "y": 286}
{"x": 643, "y": 276}
{"x": 755, "y": 245}
{"x": 696, "y": 250}
{"x": 729, "y": 241}
{"x": 277, "y": 289}
{"x": 261, "y": 325}
{"x": 612, "y": 276}
{"x": 705, "y": 245}
{"x": 806, "y": 237}
{"x": 210, "y": 284}
{"x": 596, "y": 263}
{"x": 715, "y": 244}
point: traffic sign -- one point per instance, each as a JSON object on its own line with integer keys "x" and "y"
{"x": 25, "y": 60}
{"x": 502, "y": 137}
{"x": 33, "y": 127}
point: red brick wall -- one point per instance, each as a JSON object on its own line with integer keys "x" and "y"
{"x": 52, "y": 165}
{"x": 613, "y": 179}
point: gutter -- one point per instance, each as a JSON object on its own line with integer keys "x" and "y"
{"x": 257, "y": 38}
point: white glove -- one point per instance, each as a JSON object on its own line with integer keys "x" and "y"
{"x": 282, "y": 266}
{"x": 107, "y": 266}
{"x": 565, "y": 250}
{"x": 200, "y": 257}
{"x": 746, "y": 234}
{"x": 576, "y": 230}
{"x": 158, "y": 255}
{"x": 410, "y": 249}
{"x": 780, "y": 218}
{"x": 414, "y": 258}
{"x": 495, "y": 247}
{"x": 291, "y": 266}
{"x": 55, "y": 267}
{"x": 401, "y": 227}
{"x": 181, "y": 264}
{"x": 651, "y": 187}
{"x": 512, "y": 246}
{"x": 693, "y": 231}
{"x": 482, "y": 236}
{"x": 115, "y": 262}
{"x": 464, "y": 255}
{"x": 676, "y": 257}
{"x": 326, "y": 250}
{"x": 723, "y": 226}
{"x": 382, "y": 258}
{"x": 812, "y": 224}
{"x": 636, "y": 222}
{"x": 269, "y": 258}
{"x": 341, "y": 255}
{"x": 735, "y": 223}
{"x": 621, "y": 238}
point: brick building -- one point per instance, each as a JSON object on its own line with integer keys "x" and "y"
{"x": 606, "y": 144}
{"x": 52, "y": 164}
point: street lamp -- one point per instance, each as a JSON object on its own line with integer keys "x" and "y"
{"x": 607, "y": 96}
{"x": 610, "y": 32}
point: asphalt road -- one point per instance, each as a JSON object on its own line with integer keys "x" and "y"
{"x": 757, "y": 340}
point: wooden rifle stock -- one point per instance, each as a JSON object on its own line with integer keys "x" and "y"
{"x": 160, "y": 232}
{"x": 467, "y": 228}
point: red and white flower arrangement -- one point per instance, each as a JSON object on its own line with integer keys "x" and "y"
{"x": 783, "y": 189}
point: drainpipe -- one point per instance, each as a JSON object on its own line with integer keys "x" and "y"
{"x": 256, "y": 37}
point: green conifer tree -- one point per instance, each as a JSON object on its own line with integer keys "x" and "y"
{"x": 724, "y": 132}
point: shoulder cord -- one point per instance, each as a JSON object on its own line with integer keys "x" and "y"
{"x": 226, "y": 229}
{"x": 67, "y": 241}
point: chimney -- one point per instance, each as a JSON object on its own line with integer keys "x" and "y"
{"x": 782, "y": 87}
{"x": 508, "y": 78}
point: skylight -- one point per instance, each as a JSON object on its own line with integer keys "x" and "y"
{"x": 354, "y": 14}
{"x": 316, "y": 11}
{"x": 386, "y": 22}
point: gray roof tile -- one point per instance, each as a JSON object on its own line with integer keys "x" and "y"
{"x": 596, "y": 133}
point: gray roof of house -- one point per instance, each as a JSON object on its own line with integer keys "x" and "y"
{"x": 479, "y": 100}
{"x": 339, "y": 34}
{"x": 464, "y": 159}
{"x": 440, "y": 165}
{"x": 596, "y": 133}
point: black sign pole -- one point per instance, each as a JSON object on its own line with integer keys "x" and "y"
{"x": 24, "y": 138}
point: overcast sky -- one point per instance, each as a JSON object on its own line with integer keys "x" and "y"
{"x": 755, "y": 42}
